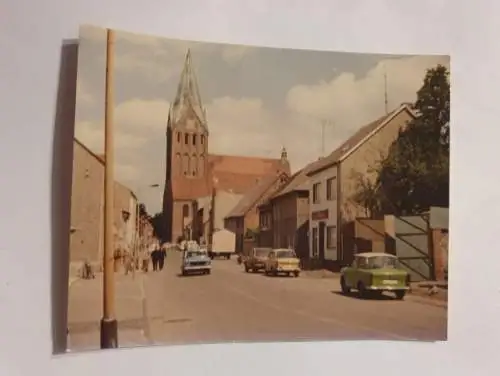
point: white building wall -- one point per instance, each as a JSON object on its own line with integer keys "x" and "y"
{"x": 323, "y": 205}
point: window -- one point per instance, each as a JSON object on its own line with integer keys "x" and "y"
{"x": 331, "y": 189}
{"x": 185, "y": 210}
{"x": 194, "y": 139}
{"x": 202, "y": 139}
{"x": 316, "y": 188}
{"x": 178, "y": 136}
{"x": 186, "y": 139}
{"x": 331, "y": 237}
{"x": 315, "y": 242}
{"x": 264, "y": 221}
{"x": 194, "y": 165}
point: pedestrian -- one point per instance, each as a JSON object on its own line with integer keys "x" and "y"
{"x": 154, "y": 259}
{"x": 162, "y": 254}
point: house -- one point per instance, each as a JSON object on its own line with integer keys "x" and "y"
{"x": 192, "y": 170}
{"x": 87, "y": 210}
{"x": 335, "y": 181}
{"x": 243, "y": 219}
{"x": 284, "y": 217}
{"x": 219, "y": 206}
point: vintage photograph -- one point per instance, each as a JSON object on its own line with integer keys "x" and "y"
{"x": 228, "y": 193}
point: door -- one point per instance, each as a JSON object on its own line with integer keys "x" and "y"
{"x": 321, "y": 241}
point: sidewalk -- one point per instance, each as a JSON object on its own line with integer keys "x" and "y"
{"x": 85, "y": 312}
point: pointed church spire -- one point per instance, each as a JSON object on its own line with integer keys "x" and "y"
{"x": 284, "y": 155}
{"x": 188, "y": 94}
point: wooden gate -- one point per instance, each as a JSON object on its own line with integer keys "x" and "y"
{"x": 412, "y": 238}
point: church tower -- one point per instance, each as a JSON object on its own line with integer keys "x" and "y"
{"x": 186, "y": 150}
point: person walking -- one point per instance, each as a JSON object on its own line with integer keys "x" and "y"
{"x": 162, "y": 254}
{"x": 154, "y": 259}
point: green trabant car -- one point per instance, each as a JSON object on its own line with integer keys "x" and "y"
{"x": 373, "y": 273}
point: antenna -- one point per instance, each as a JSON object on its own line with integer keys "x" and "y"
{"x": 324, "y": 124}
{"x": 385, "y": 92}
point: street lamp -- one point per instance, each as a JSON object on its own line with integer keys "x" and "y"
{"x": 137, "y": 228}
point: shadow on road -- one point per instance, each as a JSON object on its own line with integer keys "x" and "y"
{"x": 355, "y": 295}
{"x": 180, "y": 275}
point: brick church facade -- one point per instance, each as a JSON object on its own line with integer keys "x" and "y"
{"x": 191, "y": 171}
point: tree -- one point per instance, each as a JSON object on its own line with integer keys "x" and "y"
{"x": 142, "y": 210}
{"x": 159, "y": 226}
{"x": 415, "y": 174}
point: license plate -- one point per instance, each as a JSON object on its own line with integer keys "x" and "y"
{"x": 389, "y": 282}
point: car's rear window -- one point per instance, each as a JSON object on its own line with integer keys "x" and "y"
{"x": 286, "y": 254}
{"x": 262, "y": 252}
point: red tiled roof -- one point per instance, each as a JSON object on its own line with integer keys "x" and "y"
{"x": 354, "y": 140}
{"x": 262, "y": 190}
{"x": 233, "y": 173}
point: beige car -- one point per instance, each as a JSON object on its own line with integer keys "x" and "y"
{"x": 256, "y": 260}
{"x": 282, "y": 261}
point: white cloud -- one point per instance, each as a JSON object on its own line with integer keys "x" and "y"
{"x": 351, "y": 102}
{"x": 92, "y": 135}
{"x": 243, "y": 127}
{"x": 138, "y": 115}
{"x": 234, "y": 53}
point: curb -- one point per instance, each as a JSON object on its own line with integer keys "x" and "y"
{"x": 72, "y": 280}
{"x": 428, "y": 301}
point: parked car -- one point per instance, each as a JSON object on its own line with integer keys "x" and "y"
{"x": 373, "y": 273}
{"x": 282, "y": 261}
{"x": 256, "y": 260}
{"x": 195, "y": 260}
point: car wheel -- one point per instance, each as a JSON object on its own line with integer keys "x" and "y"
{"x": 361, "y": 290}
{"x": 344, "y": 287}
{"x": 296, "y": 273}
{"x": 228, "y": 257}
{"x": 400, "y": 294}
{"x": 274, "y": 272}
{"x": 183, "y": 272}
{"x": 208, "y": 271}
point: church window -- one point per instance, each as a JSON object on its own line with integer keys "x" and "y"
{"x": 179, "y": 137}
{"x": 185, "y": 164}
{"x": 194, "y": 167}
{"x": 178, "y": 163}
{"x": 186, "y": 139}
{"x": 201, "y": 165}
{"x": 194, "y": 139}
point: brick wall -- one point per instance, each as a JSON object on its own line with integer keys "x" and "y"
{"x": 87, "y": 209}
{"x": 86, "y": 206}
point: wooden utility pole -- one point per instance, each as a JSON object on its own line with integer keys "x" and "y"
{"x": 109, "y": 325}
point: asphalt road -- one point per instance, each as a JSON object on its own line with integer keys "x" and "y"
{"x": 231, "y": 305}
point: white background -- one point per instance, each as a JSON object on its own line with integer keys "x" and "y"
{"x": 31, "y": 34}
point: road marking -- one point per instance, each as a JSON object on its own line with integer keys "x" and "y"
{"x": 323, "y": 319}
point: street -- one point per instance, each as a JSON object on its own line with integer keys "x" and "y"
{"x": 231, "y": 305}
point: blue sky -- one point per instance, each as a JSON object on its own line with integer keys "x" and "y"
{"x": 257, "y": 99}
